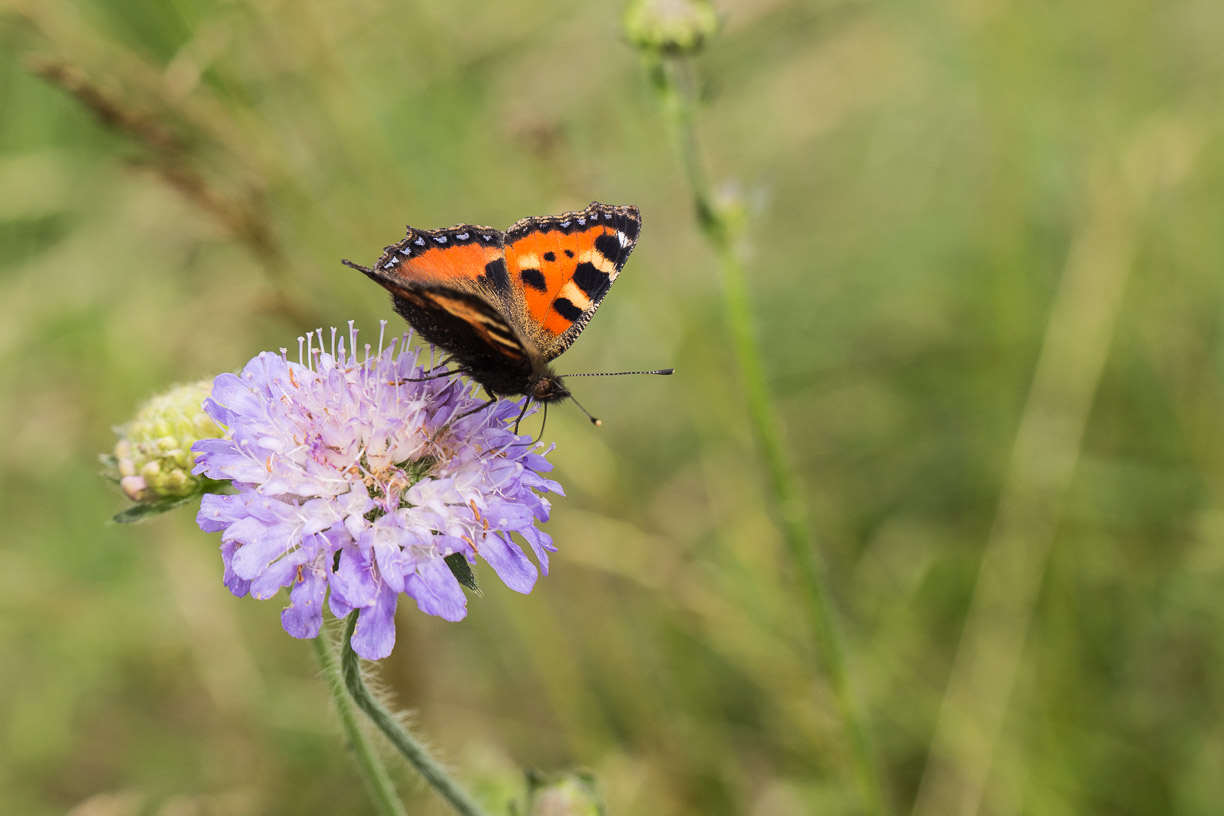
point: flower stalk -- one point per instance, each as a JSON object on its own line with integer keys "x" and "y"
{"x": 378, "y": 783}
{"x": 671, "y": 76}
{"x": 413, "y": 751}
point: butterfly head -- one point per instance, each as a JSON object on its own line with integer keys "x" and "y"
{"x": 549, "y": 388}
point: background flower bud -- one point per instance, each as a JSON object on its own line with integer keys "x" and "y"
{"x": 672, "y": 26}
{"x": 152, "y": 460}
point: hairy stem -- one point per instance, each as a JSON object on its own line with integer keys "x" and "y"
{"x": 412, "y": 750}
{"x": 378, "y": 783}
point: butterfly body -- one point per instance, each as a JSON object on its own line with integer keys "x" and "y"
{"x": 504, "y": 304}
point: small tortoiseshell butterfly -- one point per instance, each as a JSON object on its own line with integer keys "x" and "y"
{"x": 504, "y": 304}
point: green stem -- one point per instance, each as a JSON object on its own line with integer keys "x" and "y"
{"x": 378, "y": 783}
{"x": 673, "y": 81}
{"x": 412, "y": 750}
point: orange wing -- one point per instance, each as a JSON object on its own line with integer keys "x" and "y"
{"x": 464, "y": 256}
{"x": 563, "y": 265}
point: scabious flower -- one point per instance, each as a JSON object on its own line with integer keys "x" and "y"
{"x": 356, "y": 484}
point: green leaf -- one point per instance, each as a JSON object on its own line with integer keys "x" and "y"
{"x": 462, "y": 570}
{"x": 140, "y": 512}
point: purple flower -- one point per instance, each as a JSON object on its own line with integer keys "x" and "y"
{"x": 354, "y": 484}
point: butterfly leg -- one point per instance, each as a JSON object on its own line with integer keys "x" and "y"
{"x": 450, "y": 373}
{"x": 522, "y": 413}
{"x": 479, "y": 407}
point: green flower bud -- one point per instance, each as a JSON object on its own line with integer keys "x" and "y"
{"x": 571, "y": 794}
{"x": 671, "y": 26}
{"x": 152, "y": 460}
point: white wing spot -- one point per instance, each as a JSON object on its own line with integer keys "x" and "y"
{"x": 419, "y": 241}
{"x": 441, "y": 239}
{"x": 623, "y": 238}
{"x": 565, "y": 224}
{"x": 463, "y": 236}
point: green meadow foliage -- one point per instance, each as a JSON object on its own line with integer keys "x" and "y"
{"x": 981, "y": 255}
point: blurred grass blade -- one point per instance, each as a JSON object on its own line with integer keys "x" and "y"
{"x": 1047, "y": 447}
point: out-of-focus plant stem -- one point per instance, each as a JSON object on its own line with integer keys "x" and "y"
{"x": 378, "y": 783}
{"x": 405, "y": 743}
{"x": 673, "y": 81}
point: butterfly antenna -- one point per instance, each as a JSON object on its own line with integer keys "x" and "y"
{"x": 594, "y": 421}
{"x": 622, "y": 373}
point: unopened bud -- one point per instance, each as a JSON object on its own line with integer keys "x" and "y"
{"x": 152, "y": 460}
{"x": 671, "y": 26}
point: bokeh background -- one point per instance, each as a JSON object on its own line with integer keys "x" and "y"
{"x": 986, "y": 272}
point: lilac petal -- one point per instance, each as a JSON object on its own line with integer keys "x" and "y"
{"x": 303, "y": 617}
{"x": 503, "y": 515}
{"x": 374, "y": 637}
{"x": 280, "y": 573}
{"x": 436, "y": 590}
{"x": 238, "y": 586}
{"x": 507, "y": 560}
{"x": 387, "y": 542}
{"x": 261, "y": 546}
{"x": 541, "y": 545}
{"x": 538, "y": 482}
{"x": 216, "y": 512}
{"x": 338, "y": 606}
{"x": 235, "y": 396}
{"x": 354, "y": 580}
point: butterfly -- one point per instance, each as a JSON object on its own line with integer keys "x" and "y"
{"x": 505, "y": 304}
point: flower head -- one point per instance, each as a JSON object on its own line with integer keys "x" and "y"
{"x": 356, "y": 484}
{"x": 152, "y": 461}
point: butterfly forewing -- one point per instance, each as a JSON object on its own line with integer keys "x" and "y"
{"x": 464, "y": 256}
{"x": 563, "y": 266}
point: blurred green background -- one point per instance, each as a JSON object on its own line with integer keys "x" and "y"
{"x": 986, "y": 269}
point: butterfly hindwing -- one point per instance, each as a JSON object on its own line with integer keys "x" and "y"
{"x": 470, "y": 328}
{"x": 563, "y": 265}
